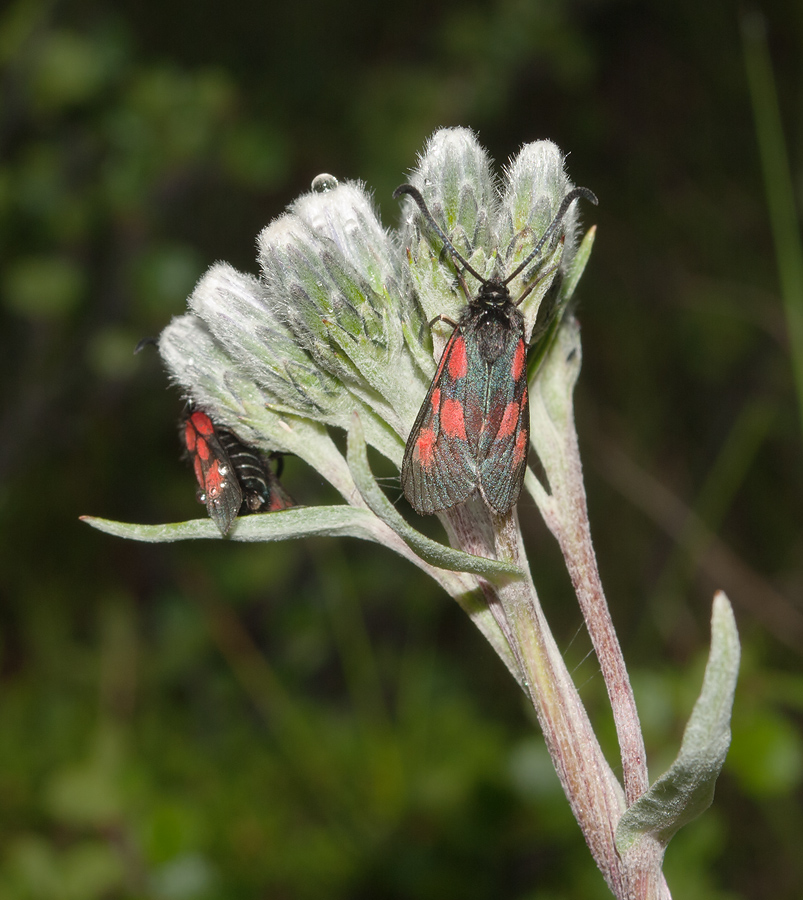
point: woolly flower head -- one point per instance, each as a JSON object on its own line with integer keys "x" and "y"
{"x": 336, "y": 322}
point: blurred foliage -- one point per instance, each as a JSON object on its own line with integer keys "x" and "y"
{"x": 315, "y": 720}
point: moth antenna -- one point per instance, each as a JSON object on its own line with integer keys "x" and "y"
{"x": 144, "y": 343}
{"x": 534, "y": 284}
{"x": 416, "y": 195}
{"x": 573, "y": 195}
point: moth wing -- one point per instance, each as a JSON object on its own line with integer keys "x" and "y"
{"x": 505, "y": 438}
{"x": 213, "y": 471}
{"x": 224, "y": 498}
{"x": 439, "y": 468}
{"x": 278, "y": 496}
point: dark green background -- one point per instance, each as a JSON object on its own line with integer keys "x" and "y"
{"x": 315, "y": 720}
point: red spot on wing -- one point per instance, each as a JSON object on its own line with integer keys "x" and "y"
{"x": 202, "y": 450}
{"x": 436, "y": 400}
{"x": 215, "y": 480}
{"x": 190, "y": 436}
{"x": 509, "y": 421}
{"x": 519, "y": 359}
{"x": 199, "y": 426}
{"x": 278, "y": 503}
{"x": 453, "y": 422}
{"x": 425, "y": 444}
{"x": 458, "y": 363}
{"x": 202, "y": 423}
{"x": 520, "y": 450}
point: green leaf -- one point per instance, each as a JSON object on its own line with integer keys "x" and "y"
{"x": 430, "y": 551}
{"x": 304, "y": 521}
{"x": 577, "y": 266}
{"x": 687, "y": 789}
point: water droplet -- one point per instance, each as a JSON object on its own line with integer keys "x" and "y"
{"x": 324, "y": 182}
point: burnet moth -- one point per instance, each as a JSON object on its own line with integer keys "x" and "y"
{"x": 233, "y": 479}
{"x": 472, "y": 433}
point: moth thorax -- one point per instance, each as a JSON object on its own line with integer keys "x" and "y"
{"x": 494, "y": 335}
{"x": 493, "y": 293}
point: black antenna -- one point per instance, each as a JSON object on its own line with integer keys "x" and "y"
{"x": 144, "y": 343}
{"x": 416, "y": 195}
{"x": 573, "y": 195}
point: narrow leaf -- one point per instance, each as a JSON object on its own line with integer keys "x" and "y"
{"x": 304, "y": 521}
{"x": 577, "y": 265}
{"x": 687, "y": 789}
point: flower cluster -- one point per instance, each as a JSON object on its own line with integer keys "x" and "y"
{"x": 337, "y": 321}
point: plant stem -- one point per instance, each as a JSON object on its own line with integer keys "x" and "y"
{"x": 565, "y": 512}
{"x": 573, "y": 532}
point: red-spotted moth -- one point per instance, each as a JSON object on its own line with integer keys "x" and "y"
{"x": 472, "y": 432}
{"x": 233, "y": 479}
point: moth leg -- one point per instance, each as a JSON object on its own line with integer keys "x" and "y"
{"x": 279, "y": 459}
{"x": 432, "y": 322}
{"x": 442, "y": 319}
